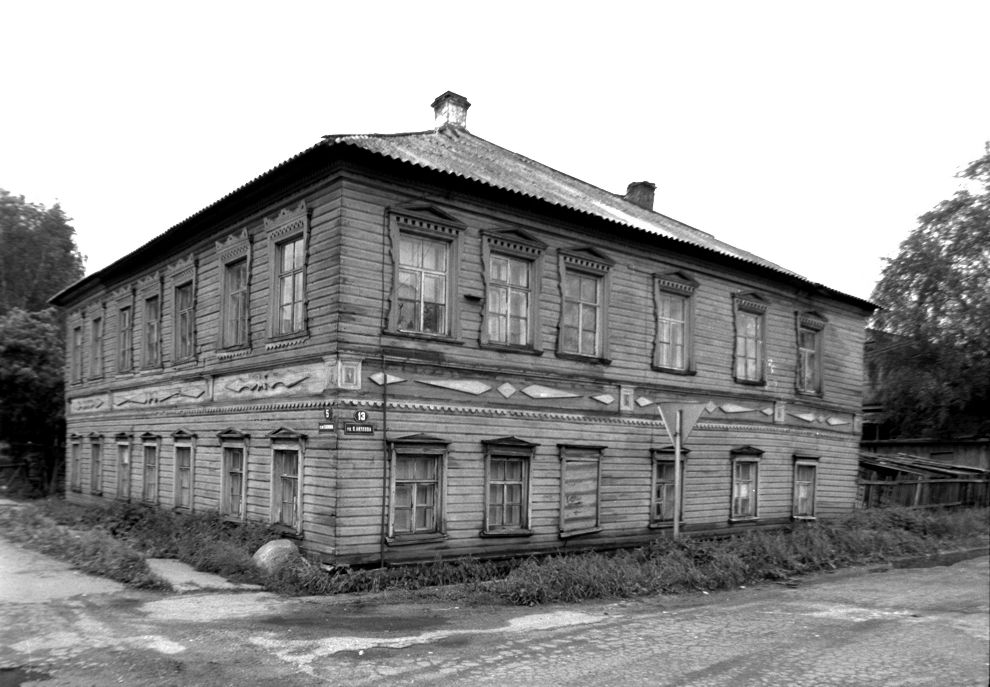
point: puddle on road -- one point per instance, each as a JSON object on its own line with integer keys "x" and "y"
{"x": 15, "y": 677}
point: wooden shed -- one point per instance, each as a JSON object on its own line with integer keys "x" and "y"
{"x": 395, "y": 347}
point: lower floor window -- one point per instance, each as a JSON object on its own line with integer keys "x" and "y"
{"x": 96, "y": 467}
{"x": 183, "y": 477}
{"x": 149, "y": 485}
{"x": 805, "y": 473}
{"x": 664, "y": 484}
{"x": 417, "y": 486}
{"x": 233, "y": 481}
{"x": 286, "y": 487}
{"x": 745, "y": 487}
{"x": 123, "y": 471}
{"x": 75, "y": 471}
{"x": 507, "y": 470}
{"x": 579, "y": 489}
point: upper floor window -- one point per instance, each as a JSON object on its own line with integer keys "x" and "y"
{"x": 234, "y": 255}
{"x": 425, "y": 254}
{"x": 674, "y": 345}
{"x": 125, "y": 341}
{"x": 152, "y": 332}
{"x": 96, "y": 348}
{"x": 584, "y": 307}
{"x": 810, "y": 330}
{"x": 235, "y": 303}
{"x": 287, "y": 236}
{"x": 512, "y": 289}
{"x": 185, "y": 323}
{"x": 76, "y": 363}
{"x": 750, "y": 349}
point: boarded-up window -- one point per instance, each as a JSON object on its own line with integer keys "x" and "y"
{"x": 579, "y": 489}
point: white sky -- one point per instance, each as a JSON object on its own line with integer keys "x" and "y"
{"x": 812, "y": 134}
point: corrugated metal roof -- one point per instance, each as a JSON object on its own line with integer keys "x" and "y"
{"x": 458, "y": 152}
{"x": 455, "y": 151}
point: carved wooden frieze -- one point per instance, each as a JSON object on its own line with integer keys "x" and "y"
{"x": 537, "y": 391}
{"x": 89, "y": 404}
{"x": 380, "y": 378}
{"x": 305, "y": 380}
{"x": 466, "y": 386}
{"x": 507, "y": 389}
{"x": 606, "y": 399}
{"x": 161, "y": 395}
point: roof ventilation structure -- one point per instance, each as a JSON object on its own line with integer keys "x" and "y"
{"x": 451, "y": 110}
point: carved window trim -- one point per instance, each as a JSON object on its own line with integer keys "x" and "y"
{"x": 571, "y": 457}
{"x": 427, "y": 224}
{"x": 286, "y": 227}
{"x": 745, "y": 469}
{"x": 809, "y": 376}
{"x": 284, "y": 441}
{"x": 681, "y": 286}
{"x": 585, "y": 262}
{"x": 419, "y": 447}
{"x": 517, "y": 245}
{"x": 184, "y": 440}
{"x": 231, "y": 251}
{"x": 508, "y": 449}
{"x": 749, "y": 307}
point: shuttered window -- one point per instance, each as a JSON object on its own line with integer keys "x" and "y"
{"x": 579, "y": 489}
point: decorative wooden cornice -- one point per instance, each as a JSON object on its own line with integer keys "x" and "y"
{"x": 287, "y": 221}
{"x": 234, "y": 246}
{"x": 182, "y": 268}
{"x": 812, "y": 320}
{"x": 515, "y": 240}
{"x": 751, "y": 302}
{"x": 677, "y": 281}
{"x": 587, "y": 257}
{"x": 426, "y": 213}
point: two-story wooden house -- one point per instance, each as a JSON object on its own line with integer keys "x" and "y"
{"x": 402, "y": 346}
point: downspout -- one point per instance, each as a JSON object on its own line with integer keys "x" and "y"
{"x": 385, "y": 448}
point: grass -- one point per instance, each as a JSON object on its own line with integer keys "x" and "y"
{"x": 114, "y": 541}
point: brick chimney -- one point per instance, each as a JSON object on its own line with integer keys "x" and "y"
{"x": 641, "y": 193}
{"x": 451, "y": 109}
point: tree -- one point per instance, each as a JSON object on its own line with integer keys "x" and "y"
{"x": 38, "y": 253}
{"x": 934, "y": 369}
{"x": 32, "y": 410}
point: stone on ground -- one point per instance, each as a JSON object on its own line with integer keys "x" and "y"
{"x": 275, "y": 554}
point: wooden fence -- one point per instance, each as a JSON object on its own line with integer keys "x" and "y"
{"x": 924, "y": 493}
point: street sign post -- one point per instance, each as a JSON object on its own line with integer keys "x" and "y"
{"x": 679, "y": 419}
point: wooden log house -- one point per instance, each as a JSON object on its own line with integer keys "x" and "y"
{"x": 398, "y": 347}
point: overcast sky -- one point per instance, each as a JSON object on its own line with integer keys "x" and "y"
{"x": 812, "y": 134}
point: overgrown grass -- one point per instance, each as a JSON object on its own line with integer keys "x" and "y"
{"x": 114, "y": 541}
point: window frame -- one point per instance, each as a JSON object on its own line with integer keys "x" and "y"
{"x": 682, "y": 286}
{"x": 587, "y": 262}
{"x": 96, "y": 464}
{"x": 97, "y": 328}
{"x": 665, "y": 456}
{"x": 519, "y": 246}
{"x": 571, "y": 455}
{"x": 432, "y": 225}
{"x": 802, "y": 460}
{"x": 811, "y": 323}
{"x": 151, "y": 348}
{"x": 186, "y": 441}
{"x": 76, "y": 358}
{"x": 417, "y": 447}
{"x": 124, "y": 462}
{"x": 750, "y": 456}
{"x": 150, "y": 442}
{"x": 230, "y": 252}
{"x": 750, "y": 305}
{"x": 284, "y": 440}
{"x": 289, "y": 226}
{"x": 75, "y": 463}
{"x": 124, "y": 357}
{"x": 232, "y": 439}
{"x": 509, "y": 448}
